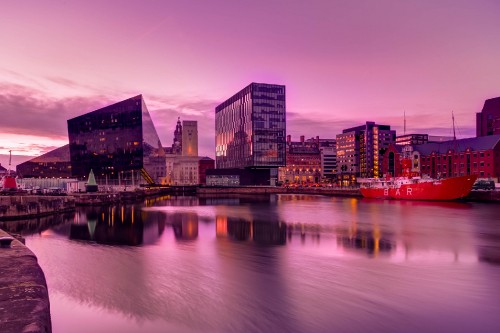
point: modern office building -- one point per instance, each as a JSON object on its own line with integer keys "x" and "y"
{"x": 488, "y": 120}
{"x": 328, "y": 162}
{"x": 250, "y": 129}
{"x": 55, "y": 163}
{"x": 119, "y": 143}
{"x": 360, "y": 149}
{"x": 412, "y": 139}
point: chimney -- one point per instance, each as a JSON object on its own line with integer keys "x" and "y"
{"x": 288, "y": 138}
{"x": 302, "y": 139}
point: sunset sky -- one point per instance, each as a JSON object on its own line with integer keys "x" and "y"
{"x": 343, "y": 63}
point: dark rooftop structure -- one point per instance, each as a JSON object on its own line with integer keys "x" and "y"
{"x": 460, "y": 145}
{"x": 55, "y": 163}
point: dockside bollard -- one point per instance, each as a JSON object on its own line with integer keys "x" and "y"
{"x": 5, "y": 241}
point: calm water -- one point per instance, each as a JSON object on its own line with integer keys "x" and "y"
{"x": 286, "y": 263}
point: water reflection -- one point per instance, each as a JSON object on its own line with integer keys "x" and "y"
{"x": 370, "y": 241}
{"x": 117, "y": 225}
{"x": 266, "y": 233}
{"x": 288, "y": 264}
{"x": 185, "y": 225}
{"x": 36, "y": 225}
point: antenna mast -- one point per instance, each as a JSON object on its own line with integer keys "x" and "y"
{"x": 453, "y": 119}
{"x": 10, "y": 160}
{"x": 404, "y": 128}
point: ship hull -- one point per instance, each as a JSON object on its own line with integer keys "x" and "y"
{"x": 438, "y": 190}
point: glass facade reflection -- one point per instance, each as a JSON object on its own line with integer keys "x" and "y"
{"x": 55, "y": 163}
{"x": 118, "y": 141}
{"x": 251, "y": 128}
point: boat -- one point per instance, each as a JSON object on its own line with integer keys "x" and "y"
{"x": 8, "y": 184}
{"x": 412, "y": 186}
{"x": 418, "y": 188}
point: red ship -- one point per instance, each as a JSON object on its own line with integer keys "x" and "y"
{"x": 416, "y": 188}
{"x": 8, "y": 184}
{"x": 413, "y": 187}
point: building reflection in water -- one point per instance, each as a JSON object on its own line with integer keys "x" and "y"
{"x": 252, "y": 225}
{"x": 36, "y": 225}
{"x": 185, "y": 225}
{"x": 117, "y": 225}
{"x": 371, "y": 241}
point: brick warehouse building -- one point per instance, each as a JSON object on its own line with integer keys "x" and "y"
{"x": 473, "y": 156}
{"x": 488, "y": 120}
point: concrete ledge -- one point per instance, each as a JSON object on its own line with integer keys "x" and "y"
{"x": 483, "y": 196}
{"x": 24, "y": 300}
{"x": 27, "y": 206}
{"x": 209, "y": 190}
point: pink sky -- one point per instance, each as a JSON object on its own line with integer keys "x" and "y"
{"x": 343, "y": 62}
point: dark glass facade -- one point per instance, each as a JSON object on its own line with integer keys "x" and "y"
{"x": 250, "y": 128}
{"x": 118, "y": 141}
{"x": 54, "y": 164}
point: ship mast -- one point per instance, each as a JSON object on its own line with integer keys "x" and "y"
{"x": 453, "y": 119}
{"x": 10, "y": 160}
{"x": 404, "y": 126}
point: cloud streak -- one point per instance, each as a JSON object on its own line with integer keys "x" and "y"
{"x": 29, "y": 113}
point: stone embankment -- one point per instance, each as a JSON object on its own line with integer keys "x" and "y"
{"x": 24, "y": 300}
{"x": 108, "y": 198}
{"x": 15, "y": 207}
{"x": 484, "y": 196}
{"x": 479, "y": 196}
{"x": 348, "y": 192}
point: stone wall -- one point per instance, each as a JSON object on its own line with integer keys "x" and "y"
{"x": 209, "y": 190}
{"x": 26, "y": 206}
{"x": 484, "y": 196}
{"x": 24, "y": 299}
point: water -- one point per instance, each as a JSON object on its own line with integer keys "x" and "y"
{"x": 286, "y": 263}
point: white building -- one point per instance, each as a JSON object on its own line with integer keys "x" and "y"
{"x": 189, "y": 138}
{"x": 184, "y": 169}
{"x": 328, "y": 162}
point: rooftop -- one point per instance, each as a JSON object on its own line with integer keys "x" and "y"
{"x": 479, "y": 143}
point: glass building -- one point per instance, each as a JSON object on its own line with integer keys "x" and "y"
{"x": 54, "y": 164}
{"x": 250, "y": 128}
{"x": 119, "y": 143}
{"x": 360, "y": 149}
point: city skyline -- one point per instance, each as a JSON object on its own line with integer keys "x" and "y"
{"x": 343, "y": 64}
